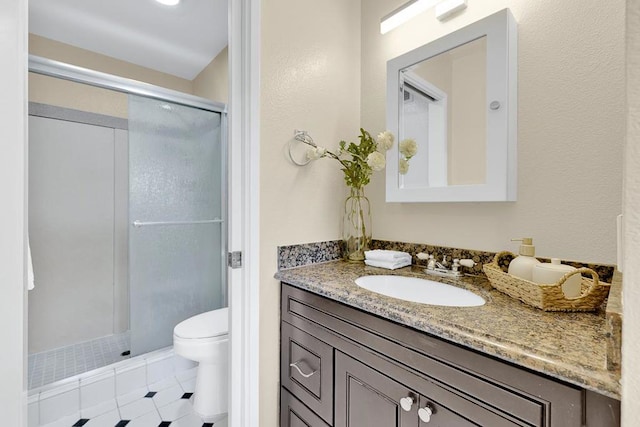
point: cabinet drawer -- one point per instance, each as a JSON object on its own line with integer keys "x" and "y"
{"x": 306, "y": 370}
{"x": 295, "y": 414}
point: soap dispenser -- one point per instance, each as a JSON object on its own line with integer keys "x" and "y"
{"x": 522, "y": 265}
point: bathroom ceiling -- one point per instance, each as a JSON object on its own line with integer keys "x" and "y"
{"x": 179, "y": 40}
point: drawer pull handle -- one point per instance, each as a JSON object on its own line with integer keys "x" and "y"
{"x": 406, "y": 403}
{"x": 295, "y": 365}
{"x": 425, "y": 414}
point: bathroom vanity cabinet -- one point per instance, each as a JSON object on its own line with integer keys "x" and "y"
{"x": 343, "y": 367}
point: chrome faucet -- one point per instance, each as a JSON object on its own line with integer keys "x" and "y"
{"x": 440, "y": 268}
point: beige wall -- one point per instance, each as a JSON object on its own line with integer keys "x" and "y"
{"x": 51, "y": 49}
{"x": 310, "y": 79}
{"x": 64, "y": 93}
{"x": 631, "y": 295}
{"x": 570, "y": 130}
{"x": 78, "y": 96}
{"x": 213, "y": 82}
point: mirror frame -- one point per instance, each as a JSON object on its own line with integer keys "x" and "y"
{"x": 500, "y": 30}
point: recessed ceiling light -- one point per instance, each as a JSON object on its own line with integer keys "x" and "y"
{"x": 168, "y": 2}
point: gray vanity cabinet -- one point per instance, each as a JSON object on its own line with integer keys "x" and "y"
{"x": 343, "y": 367}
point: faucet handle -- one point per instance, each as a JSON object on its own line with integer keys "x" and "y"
{"x": 422, "y": 256}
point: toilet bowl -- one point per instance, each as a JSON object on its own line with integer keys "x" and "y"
{"x": 204, "y": 339}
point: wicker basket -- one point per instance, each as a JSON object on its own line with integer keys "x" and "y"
{"x": 546, "y": 297}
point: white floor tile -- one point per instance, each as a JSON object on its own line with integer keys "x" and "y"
{"x": 132, "y": 396}
{"x": 110, "y": 419}
{"x": 222, "y": 423}
{"x": 164, "y": 397}
{"x": 189, "y": 386}
{"x": 152, "y": 419}
{"x": 137, "y": 409}
{"x": 191, "y": 420}
{"x": 99, "y": 409}
{"x": 159, "y": 369}
{"x": 164, "y": 384}
{"x": 187, "y": 374}
{"x": 67, "y": 421}
{"x": 175, "y": 410}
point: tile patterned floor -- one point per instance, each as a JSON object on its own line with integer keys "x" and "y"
{"x": 53, "y": 365}
{"x": 164, "y": 404}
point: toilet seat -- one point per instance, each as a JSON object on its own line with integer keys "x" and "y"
{"x": 212, "y": 324}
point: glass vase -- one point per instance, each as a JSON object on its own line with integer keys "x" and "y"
{"x": 356, "y": 226}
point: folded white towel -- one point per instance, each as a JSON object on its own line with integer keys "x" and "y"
{"x": 387, "y": 264}
{"x": 386, "y": 255}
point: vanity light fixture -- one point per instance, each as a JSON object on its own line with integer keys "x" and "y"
{"x": 169, "y": 2}
{"x": 444, "y": 9}
{"x": 404, "y": 13}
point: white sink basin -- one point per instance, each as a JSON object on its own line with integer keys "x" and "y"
{"x": 420, "y": 290}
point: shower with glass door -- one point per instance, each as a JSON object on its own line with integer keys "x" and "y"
{"x": 127, "y": 226}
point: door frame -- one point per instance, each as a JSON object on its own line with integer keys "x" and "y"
{"x": 244, "y": 230}
{"x": 244, "y": 161}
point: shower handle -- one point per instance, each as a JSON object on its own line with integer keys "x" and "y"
{"x": 139, "y": 224}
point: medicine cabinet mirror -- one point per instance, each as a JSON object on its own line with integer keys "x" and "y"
{"x": 456, "y": 97}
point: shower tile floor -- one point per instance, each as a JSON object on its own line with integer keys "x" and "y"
{"x": 53, "y": 365}
{"x": 163, "y": 404}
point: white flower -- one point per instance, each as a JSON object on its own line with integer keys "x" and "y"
{"x": 385, "y": 141}
{"x": 316, "y": 153}
{"x": 408, "y": 147}
{"x": 403, "y": 166}
{"x": 376, "y": 161}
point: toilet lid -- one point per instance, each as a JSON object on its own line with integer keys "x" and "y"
{"x": 206, "y": 325}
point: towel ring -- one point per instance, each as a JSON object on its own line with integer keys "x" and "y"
{"x": 303, "y": 137}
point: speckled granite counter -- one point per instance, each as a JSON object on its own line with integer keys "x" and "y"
{"x": 568, "y": 346}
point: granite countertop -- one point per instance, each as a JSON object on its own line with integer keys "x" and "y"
{"x": 568, "y": 346}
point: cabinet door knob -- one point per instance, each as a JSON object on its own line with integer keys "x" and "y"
{"x": 295, "y": 365}
{"x": 406, "y": 403}
{"x": 425, "y": 414}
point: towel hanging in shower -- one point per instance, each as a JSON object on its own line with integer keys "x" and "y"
{"x": 30, "y": 276}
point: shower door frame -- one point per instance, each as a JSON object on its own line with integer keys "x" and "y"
{"x": 61, "y": 70}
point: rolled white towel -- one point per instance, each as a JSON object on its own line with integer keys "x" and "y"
{"x": 386, "y": 255}
{"x": 389, "y": 265}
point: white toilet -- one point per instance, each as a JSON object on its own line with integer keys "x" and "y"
{"x": 205, "y": 339}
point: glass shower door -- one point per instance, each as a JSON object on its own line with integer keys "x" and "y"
{"x": 176, "y": 215}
